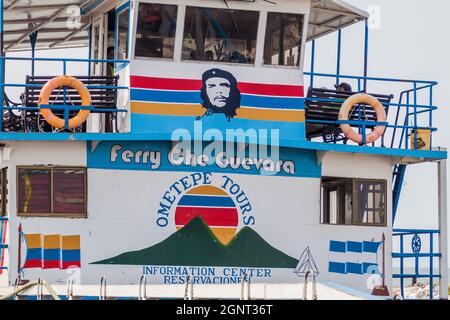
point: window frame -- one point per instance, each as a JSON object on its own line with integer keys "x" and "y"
{"x": 325, "y": 202}
{"x": 119, "y": 11}
{"x": 4, "y": 192}
{"x": 179, "y": 36}
{"x": 83, "y": 215}
{"x": 305, "y": 18}
{"x": 257, "y": 39}
{"x": 181, "y": 12}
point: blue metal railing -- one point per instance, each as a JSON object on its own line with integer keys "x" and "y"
{"x": 412, "y": 110}
{"x": 3, "y": 244}
{"x": 66, "y": 108}
{"x": 416, "y": 253}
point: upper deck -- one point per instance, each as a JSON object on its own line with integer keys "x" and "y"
{"x": 212, "y": 69}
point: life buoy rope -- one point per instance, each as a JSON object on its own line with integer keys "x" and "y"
{"x": 344, "y": 115}
{"x": 59, "y": 82}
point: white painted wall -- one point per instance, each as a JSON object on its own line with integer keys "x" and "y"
{"x": 122, "y": 208}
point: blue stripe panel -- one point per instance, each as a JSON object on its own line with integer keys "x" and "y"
{"x": 370, "y": 268}
{"x": 205, "y": 201}
{"x": 337, "y": 267}
{"x": 354, "y": 268}
{"x": 371, "y": 247}
{"x": 353, "y": 246}
{"x": 71, "y": 255}
{"x": 34, "y": 254}
{"x": 52, "y": 254}
{"x": 194, "y": 97}
{"x": 337, "y": 246}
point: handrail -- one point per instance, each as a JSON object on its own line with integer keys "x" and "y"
{"x": 244, "y": 278}
{"x": 40, "y": 284}
{"x": 189, "y": 294}
{"x": 102, "y": 295}
{"x": 328, "y": 75}
{"x": 64, "y": 60}
{"x": 143, "y": 288}
{"x": 70, "y": 289}
{"x": 305, "y": 286}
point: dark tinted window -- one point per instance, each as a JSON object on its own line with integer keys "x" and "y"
{"x": 220, "y": 35}
{"x": 156, "y": 28}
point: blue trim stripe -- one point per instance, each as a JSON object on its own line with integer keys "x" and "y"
{"x": 34, "y": 254}
{"x": 354, "y": 268}
{"x": 194, "y": 97}
{"x": 337, "y": 267}
{"x": 52, "y": 254}
{"x": 371, "y": 247}
{"x": 206, "y": 201}
{"x": 71, "y": 255}
{"x": 353, "y": 246}
{"x": 337, "y": 246}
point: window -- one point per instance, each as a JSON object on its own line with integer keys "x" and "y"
{"x": 123, "y": 34}
{"x": 283, "y": 39}
{"x": 353, "y": 202}
{"x": 52, "y": 192}
{"x": 156, "y": 26}
{"x": 220, "y": 35}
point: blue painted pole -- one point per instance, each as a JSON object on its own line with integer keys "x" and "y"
{"x": 402, "y": 271}
{"x": 313, "y": 61}
{"x": 2, "y": 66}
{"x": 90, "y": 51}
{"x": 366, "y": 53}
{"x": 339, "y": 50}
{"x": 431, "y": 266}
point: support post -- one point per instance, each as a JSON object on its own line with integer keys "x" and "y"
{"x": 339, "y": 50}
{"x": 33, "y": 40}
{"x": 2, "y": 65}
{"x": 366, "y": 53}
{"x": 443, "y": 229}
{"x": 313, "y": 61}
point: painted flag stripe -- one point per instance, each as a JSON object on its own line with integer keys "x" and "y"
{"x": 338, "y": 246}
{"x": 194, "y": 98}
{"x": 337, "y": 267}
{"x": 33, "y": 241}
{"x": 212, "y": 216}
{"x": 51, "y": 264}
{"x": 356, "y": 247}
{"x": 34, "y": 254}
{"x": 371, "y": 268}
{"x": 150, "y": 108}
{"x": 371, "y": 247}
{"x": 52, "y": 241}
{"x": 71, "y": 255}
{"x": 196, "y": 85}
{"x": 52, "y": 254}
{"x": 71, "y": 265}
{"x": 354, "y": 268}
{"x": 206, "y": 201}
{"x": 71, "y": 242}
{"x": 29, "y": 264}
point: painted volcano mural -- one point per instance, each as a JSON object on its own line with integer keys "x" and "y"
{"x": 197, "y": 245}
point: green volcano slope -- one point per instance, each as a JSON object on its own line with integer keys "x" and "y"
{"x": 196, "y": 245}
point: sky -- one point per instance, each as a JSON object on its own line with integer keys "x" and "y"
{"x": 409, "y": 41}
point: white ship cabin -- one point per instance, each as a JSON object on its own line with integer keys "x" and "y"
{"x": 194, "y": 142}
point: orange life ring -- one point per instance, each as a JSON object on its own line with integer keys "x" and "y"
{"x": 65, "y": 81}
{"x": 344, "y": 116}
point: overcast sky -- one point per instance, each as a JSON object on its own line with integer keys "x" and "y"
{"x": 411, "y": 42}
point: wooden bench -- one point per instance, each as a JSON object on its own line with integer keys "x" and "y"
{"x": 102, "y": 98}
{"x": 325, "y": 104}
